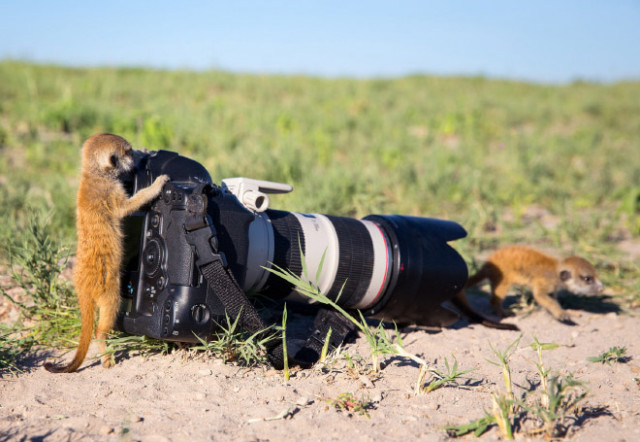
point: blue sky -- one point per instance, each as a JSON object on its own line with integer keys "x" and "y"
{"x": 542, "y": 41}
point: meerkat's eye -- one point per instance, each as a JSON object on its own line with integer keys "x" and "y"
{"x": 587, "y": 279}
{"x": 113, "y": 159}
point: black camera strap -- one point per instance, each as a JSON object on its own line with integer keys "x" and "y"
{"x": 328, "y": 323}
{"x": 201, "y": 235}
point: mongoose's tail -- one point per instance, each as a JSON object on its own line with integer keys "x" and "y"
{"x": 86, "y": 333}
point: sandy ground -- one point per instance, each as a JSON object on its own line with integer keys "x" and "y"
{"x": 177, "y": 397}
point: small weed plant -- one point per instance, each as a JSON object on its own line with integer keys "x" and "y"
{"x": 450, "y": 376}
{"x": 614, "y": 354}
{"x": 350, "y": 403}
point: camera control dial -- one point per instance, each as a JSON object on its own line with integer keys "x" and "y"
{"x": 152, "y": 257}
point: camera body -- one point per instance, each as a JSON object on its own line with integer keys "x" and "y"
{"x": 392, "y": 267}
{"x": 164, "y": 295}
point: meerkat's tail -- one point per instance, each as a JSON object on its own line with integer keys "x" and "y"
{"x": 460, "y": 301}
{"x": 86, "y": 333}
{"x": 478, "y": 277}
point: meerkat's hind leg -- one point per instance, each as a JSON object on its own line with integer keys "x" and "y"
{"x": 107, "y": 312}
{"x": 499, "y": 291}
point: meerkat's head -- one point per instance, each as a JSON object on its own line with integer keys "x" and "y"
{"x": 107, "y": 155}
{"x": 579, "y": 276}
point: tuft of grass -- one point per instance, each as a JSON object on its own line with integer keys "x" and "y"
{"x": 544, "y": 374}
{"x": 547, "y": 409}
{"x": 232, "y": 344}
{"x": 118, "y": 342}
{"x": 560, "y": 398}
{"x": 614, "y": 354}
{"x": 379, "y": 342}
{"x": 450, "y": 376}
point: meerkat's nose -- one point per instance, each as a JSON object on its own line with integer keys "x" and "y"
{"x": 600, "y": 286}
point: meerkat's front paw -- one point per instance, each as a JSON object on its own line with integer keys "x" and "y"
{"x": 162, "y": 179}
{"x": 159, "y": 183}
{"x": 565, "y": 318}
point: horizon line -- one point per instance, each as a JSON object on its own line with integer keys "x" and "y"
{"x": 346, "y": 76}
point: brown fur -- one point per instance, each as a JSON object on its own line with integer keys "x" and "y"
{"x": 101, "y": 205}
{"x": 544, "y": 274}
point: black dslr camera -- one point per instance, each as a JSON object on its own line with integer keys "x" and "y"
{"x": 392, "y": 267}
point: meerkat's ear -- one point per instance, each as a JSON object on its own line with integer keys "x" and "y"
{"x": 564, "y": 275}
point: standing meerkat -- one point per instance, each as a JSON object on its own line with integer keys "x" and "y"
{"x": 544, "y": 274}
{"x": 102, "y": 203}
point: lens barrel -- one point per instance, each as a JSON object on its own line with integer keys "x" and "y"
{"x": 389, "y": 266}
{"x": 346, "y": 259}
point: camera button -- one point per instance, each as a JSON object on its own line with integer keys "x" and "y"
{"x": 200, "y": 314}
{"x": 155, "y": 220}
